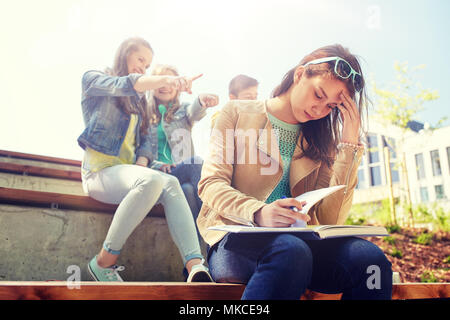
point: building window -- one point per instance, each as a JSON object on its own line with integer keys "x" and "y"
{"x": 436, "y": 163}
{"x": 439, "y": 190}
{"x": 448, "y": 158}
{"x": 375, "y": 176}
{"x": 373, "y": 148}
{"x": 424, "y": 194}
{"x": 374, "y": 160}
{"x": 394, "y": 173}
{"x": 361, "y": 180}
{"x": 390, "y": 144}
{"x": 420, "y": 167}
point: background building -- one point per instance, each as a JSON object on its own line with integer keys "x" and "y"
{"x": 427, "y": 158}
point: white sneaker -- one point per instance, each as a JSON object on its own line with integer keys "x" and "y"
{"x": 199, "y": 273}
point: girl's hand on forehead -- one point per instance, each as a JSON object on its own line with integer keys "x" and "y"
{"x": 350, "y": 118}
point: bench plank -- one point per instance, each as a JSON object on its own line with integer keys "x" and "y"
{"x": 30, "y": 156}
{"x": 40, "y": 171}
{"x": 421, "y": 291}
{"x": 63, "y": 201}
{"x": 30, "y": 290}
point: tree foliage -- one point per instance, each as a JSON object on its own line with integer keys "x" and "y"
{"x": 400, "y": 104}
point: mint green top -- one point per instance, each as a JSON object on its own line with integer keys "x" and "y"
{"x": 164, "y": 152}
{"x": 287, "y": 135}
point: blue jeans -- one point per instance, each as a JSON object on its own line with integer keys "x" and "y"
{"x": 283, "y": 266}
{"x": 188, "y": 174}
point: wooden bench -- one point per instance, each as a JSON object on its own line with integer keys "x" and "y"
{"x": 58, "y": 290}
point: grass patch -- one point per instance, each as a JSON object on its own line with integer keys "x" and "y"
{"x": 424, "y": 239}
{"x": 396, "y": 253}
{"x": 393, "y": 228}
{"x": 428, "y": 276}
{"x": 390, "y": 240}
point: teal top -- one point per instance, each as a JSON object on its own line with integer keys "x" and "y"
{"x": 164, "y": 152}
{"x": 287, "y": 136}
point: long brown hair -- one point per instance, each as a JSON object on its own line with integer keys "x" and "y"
{"x": 120, "y": 68}
{"x": 323, "y": 135}
{"x": 155, "y": 115}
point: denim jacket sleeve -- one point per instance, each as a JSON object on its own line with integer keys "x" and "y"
{"x": 144, "y": 149}
{"x": 97, "y": 83}
{"x": 195, "y": 111}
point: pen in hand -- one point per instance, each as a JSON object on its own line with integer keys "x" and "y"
{"x": 298, "y": 223}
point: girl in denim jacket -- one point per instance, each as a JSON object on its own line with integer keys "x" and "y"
{"x": 114, "y": 168}
{"x": 171, "y": 144}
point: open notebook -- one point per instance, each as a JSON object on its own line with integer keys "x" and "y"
{"x": 311, "y": 232}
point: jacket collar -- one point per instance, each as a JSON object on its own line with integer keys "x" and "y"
{"x": 267, "y": 141}
{"x": 301, "y": 167}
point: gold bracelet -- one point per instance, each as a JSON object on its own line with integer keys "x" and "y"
{"x": 352, "y": 146}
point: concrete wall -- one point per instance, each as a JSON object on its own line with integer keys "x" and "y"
{"x": 40, "y": 244}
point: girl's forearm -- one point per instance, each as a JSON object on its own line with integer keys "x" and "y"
{"x": 146, "y": 83}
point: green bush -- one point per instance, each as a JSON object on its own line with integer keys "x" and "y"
{"x": 390, "y": 240}
{"x": 380, "y": 213}
{"x": 428, "y": 276}
{"x": 424, "y": 238}
{"x": 397, "y": 253}
{"x": 393, "y": 228}
{"x": 353, "y": 220}
{"x": 433, "y": 214}
{"x": 443, "y": 219}
{"x": 368, "y": 212}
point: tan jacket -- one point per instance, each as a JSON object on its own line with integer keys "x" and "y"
{"x": 244, "y": 167}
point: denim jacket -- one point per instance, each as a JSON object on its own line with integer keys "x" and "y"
{"x": 178, "y": 132}
{"x": 106, "y": 123}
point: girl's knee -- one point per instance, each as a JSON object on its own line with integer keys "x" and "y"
{"x": 378, "y": 258}
{"x": 171, "y": 182}
{"x": 294, "y": 249}
{"x": 188, "y": 188}
{"x": 367, "y": 256}
{"x": 371, "y": 252}
{"x": 150, "y": 182}
{"x": 292, "y": 259}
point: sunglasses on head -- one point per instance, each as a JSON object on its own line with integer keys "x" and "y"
{"x": 342, "y": 69}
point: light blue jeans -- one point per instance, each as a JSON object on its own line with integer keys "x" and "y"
{"x": 137, "y": 189}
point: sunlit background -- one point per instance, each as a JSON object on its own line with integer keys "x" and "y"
{"x": 47, "y": 45}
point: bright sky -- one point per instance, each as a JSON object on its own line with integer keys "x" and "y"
{"x": 47, "y": 45}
